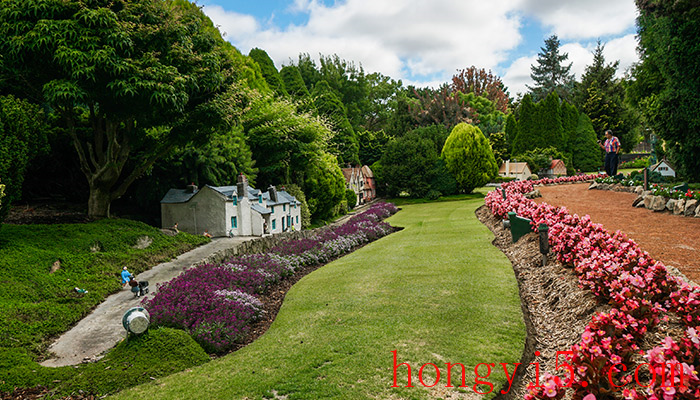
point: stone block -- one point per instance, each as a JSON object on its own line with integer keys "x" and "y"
{"x": 594, "y": 185}
{"x": 679, "y": 207}
{"x": 658, "y": 203}
{"x": 639, "y": 189}
{"x": 648, "y": 201}
{"x": 639, "y": 200}
{"x": 690, "y": 206}
{"x": 671, "y": 204}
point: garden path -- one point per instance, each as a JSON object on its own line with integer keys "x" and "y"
{"x": 671, "y": 239}
{"x": 102, "y": 329}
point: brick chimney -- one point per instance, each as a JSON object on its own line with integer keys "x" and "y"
{"x": 242, "y": 185}
{"x": 273, "y": 193}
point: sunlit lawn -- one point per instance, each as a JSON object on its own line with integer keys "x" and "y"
{"x": 435, "y": 292}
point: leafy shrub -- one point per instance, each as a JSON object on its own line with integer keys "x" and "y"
{"x": 469, "y": 158}
{"x": 641, "y": 162}
{"x": 433, "y": 195}
{"x": 350, "y": 198}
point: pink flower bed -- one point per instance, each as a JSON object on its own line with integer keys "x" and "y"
{"x": 641, "y": 293}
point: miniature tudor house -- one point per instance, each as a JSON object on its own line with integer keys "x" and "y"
{"x": 518, "y": 170}
{"x": 361, "y": 181}
{"x": 557, "y": 168}
{"x": 239, "y": 210}
{"x": 663, "y": 167}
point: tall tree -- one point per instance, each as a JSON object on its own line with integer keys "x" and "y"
{"x": 268, "y": 69}
{"x": 441, "y": 106}
{"x": 668, "y": 32}
{"x": 511, "y": 130}
{"x": 602, "y": 98}
{"x": 293, "y": 82}
{"x": 482, "y": 83}
{"x": 344, "y": 144}
{"x": 527, "y": 126}
{"x": 585, "y": 152}
{"x": 550, "y": 74}
{"x": 550, "y": 131}
{"x": 130, "y": 80}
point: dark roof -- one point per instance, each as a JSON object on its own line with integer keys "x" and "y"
{"x": 178, "y": 196}
{"x": 260, "y": 209}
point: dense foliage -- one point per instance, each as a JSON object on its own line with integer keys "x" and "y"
{"x": 22, "y": 137}
{"x": 670, "y": 51}
{"x": 469, "y": 158}
{"x": 130, "y": 80}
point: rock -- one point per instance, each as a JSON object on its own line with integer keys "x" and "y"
{"x": 639, "y": 200}
{"x": 55, "y": 266}
{"x": 679, "y": 207}
{"x": 143, "y": 242}
{"x": 670, "y": 204}
{"x": 648, "y": 201}
{"x": 690, "y": 206}
{"x": 534, "y": 194}
{"x": 658, "y": 203}
{"x": 697, "y": 211}
{"x": 594, "y": 185}
{"x": 168, "y": 231}
{"x": 639, "y": 189}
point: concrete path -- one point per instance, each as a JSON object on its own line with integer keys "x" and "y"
{"x": 102, "y": 329}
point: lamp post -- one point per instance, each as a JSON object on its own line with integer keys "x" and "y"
{"x": 543, "y": 231}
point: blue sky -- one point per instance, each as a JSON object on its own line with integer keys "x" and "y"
{"x": 425, "y": 42}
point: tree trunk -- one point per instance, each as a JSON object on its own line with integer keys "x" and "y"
{"x": 99, "y": 203}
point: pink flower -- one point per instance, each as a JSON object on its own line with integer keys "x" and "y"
{"x": 590, "y": 396}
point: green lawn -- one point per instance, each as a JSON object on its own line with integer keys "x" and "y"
{"x": 37, "y": 305}
{"x": 435, "y": 292}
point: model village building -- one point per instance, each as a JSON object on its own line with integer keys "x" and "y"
{"x": 239, "y": 210}
{"x": 361, "y": 181}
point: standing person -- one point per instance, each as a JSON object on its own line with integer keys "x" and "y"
{"x": 126, "y": 276}
{"x": 612, "y": 149}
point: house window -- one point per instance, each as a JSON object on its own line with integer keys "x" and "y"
{"x": 235, "y": 201}
{"x": 272, "y": 209}
{"x": 297, "y": 219}
{"x": 284, "y": 207}
{"x": 289, "y": 220}
{"x": 282, "y": 224}
{"x": 260, "y": 198}
{"x": 234, "y": 222}
{"x": 274, "y": 224}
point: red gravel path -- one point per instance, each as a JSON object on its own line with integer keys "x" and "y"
{"x": 671, "y": 239}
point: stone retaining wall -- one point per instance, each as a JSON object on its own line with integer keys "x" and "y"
{"x": 685, "y": 207}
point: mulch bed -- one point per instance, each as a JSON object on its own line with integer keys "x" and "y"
{"x": 671, "y": 239}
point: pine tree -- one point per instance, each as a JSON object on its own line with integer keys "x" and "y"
{"x": 550, "y": 132}
{"x": 527, "y": 126}
{"x": 569, "y": 123}
{"x": 293, "y": 81}
{"x": 344, "y": 143}
{"x": 268, "y": 69}
{"x": 586, "y": 155}
{"x": 511, "y": 130}
{"x": 550, "y": 74}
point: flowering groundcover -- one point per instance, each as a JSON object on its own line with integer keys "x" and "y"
{"x": 217, "y": 303}
{"x": 641, "y": 293}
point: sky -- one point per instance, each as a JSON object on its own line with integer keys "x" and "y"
{"x": 425, "y": 42}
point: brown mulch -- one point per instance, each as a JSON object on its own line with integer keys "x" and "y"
{"x": 555, "y": 309}
{"x": 671, "y": 239}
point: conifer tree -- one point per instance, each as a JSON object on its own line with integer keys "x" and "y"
{"x": 569, "y": 123}
{"x": 293, "y": 82}
{"x": 527, "y": 126}
{"x": 268, "y": 69}
{"x": 586, "y": 155}
{"x": 550, "y": 74}
{"x": 550, "y": 132}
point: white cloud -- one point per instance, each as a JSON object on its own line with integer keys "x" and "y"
{"x": 232, "y": 24}
{"x": 583, "y": 19}
{"x": 405, "y": 39}
{"x": 518, "y": 75}
{"x": 623, "y": 49}
{"x": 426, "y": 42}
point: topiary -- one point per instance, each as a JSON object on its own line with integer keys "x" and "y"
{"x": 469, "y": 158}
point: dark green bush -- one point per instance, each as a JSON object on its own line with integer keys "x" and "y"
{"x": 350, "y": 198}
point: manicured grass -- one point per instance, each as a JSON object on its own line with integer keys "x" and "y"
{"x": 37, "y": 304}
{"x": 399, "y": 201}
{"x": 435, "y": 292}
